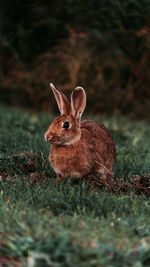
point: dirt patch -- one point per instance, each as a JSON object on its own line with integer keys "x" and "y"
{"x": 27, "y": 165}
{"x": 9, "y": 262}
{"x": 27, "y": 162}
{"x": 140, "y": 185}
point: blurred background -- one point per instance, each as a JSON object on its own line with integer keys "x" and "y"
{"x": 103, "y": 46}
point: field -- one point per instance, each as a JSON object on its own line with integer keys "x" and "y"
{"x": 45, "y": 223}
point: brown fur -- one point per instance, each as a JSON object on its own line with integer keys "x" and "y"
{"x": 84, "y": 148}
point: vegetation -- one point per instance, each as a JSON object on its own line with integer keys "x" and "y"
{"x": 45, "y": 223}
{"x": 100, "y": 45}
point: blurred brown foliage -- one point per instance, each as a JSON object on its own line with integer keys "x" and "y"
{"x": 113, "y": 68}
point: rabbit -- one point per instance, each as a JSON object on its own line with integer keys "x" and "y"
{"x": 79, "y": 148}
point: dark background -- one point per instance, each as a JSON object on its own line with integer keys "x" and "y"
{"x": 103, "y": 46}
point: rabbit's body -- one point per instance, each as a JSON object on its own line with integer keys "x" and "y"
{"x": 82, "y": 157}
{"x": 82, "y": 148}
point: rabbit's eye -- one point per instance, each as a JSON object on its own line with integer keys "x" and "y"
{"x": 66, "y": 124}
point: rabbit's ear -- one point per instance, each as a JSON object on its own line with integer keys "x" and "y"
{"x": 78, "y": 102}
{"x": 62, "y": 101}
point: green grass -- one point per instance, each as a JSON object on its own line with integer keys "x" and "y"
{"x": 51, "y": 224}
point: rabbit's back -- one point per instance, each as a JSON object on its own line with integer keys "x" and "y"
{"x": 100, "y": 145}
{"x": 99, "y": 135}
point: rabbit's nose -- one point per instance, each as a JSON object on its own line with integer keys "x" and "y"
{"x": 48, "y": 138}
{"x": 45, "y": 137}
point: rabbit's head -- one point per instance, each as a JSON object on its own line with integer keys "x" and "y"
{"x": 65, "y": 130}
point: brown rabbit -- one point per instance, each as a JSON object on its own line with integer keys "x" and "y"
{"x": 79, "y": 147}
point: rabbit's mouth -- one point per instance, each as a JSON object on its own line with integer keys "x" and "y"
{"x": 54, "y": 141}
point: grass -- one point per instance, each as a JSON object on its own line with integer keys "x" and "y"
{"x": 43, "y": 223}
